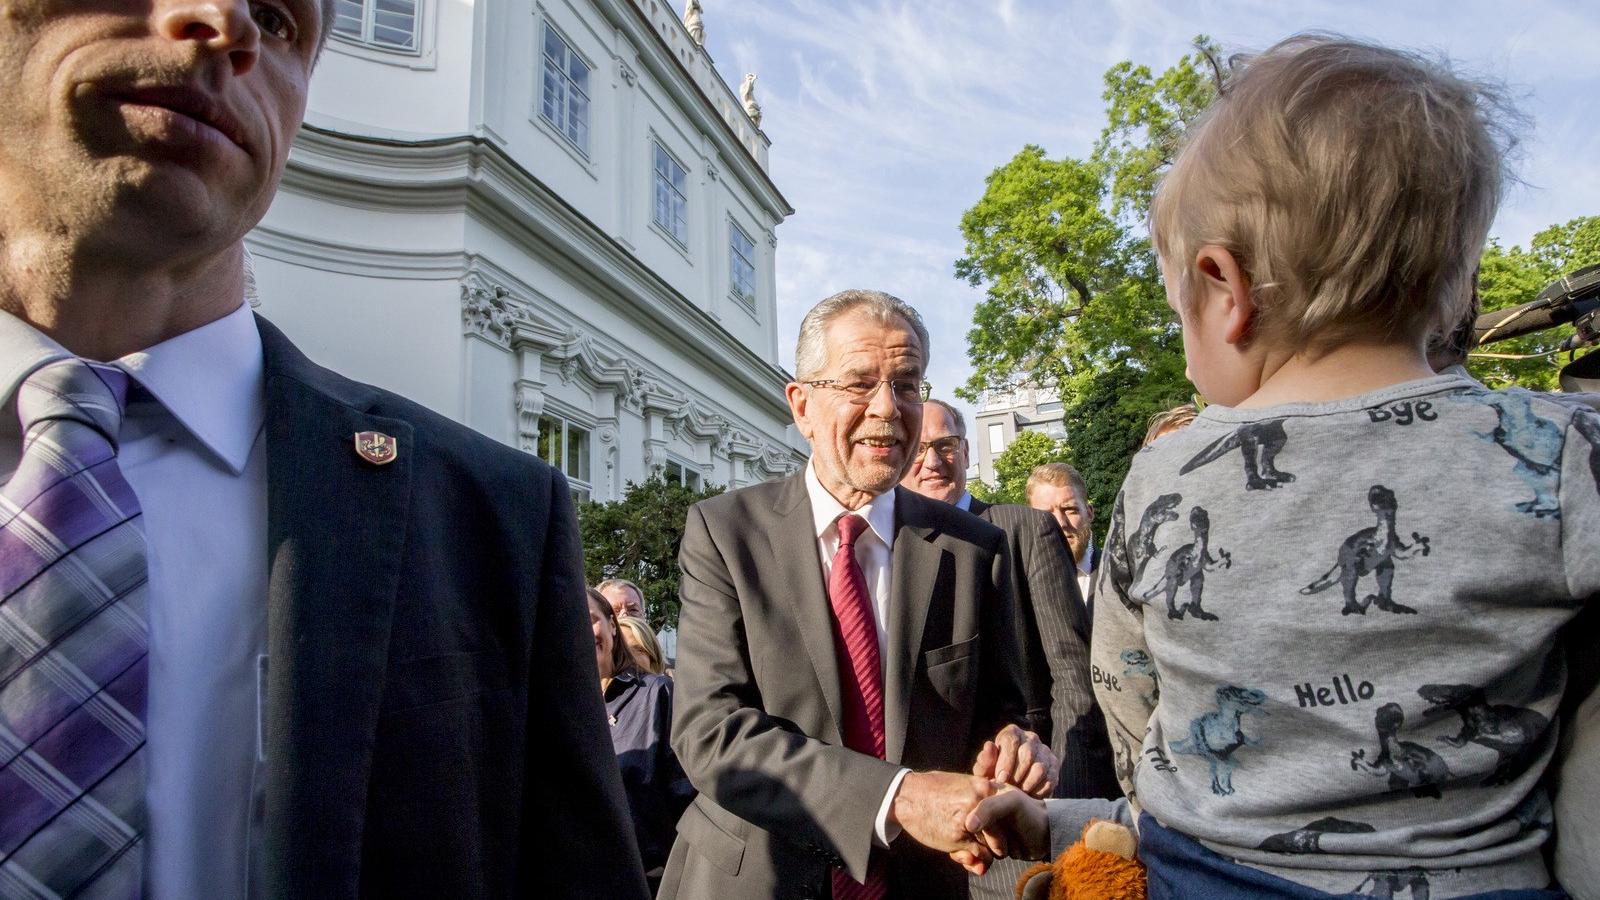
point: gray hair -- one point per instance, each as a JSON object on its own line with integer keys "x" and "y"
{"x": 811, "y": 351}
{"x": 961, "y": 423}
{"x": 624, "y": 583}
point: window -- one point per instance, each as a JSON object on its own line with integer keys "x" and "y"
{"x": 390, "y": 24}
{"x": 742, "y": 264}
{"x": 672, "y": 203}
{"x": 997, "y": 437}
{"x": 680, "y": 474}
{"x": 565, "y": 103}
{"x": 565, "y": 445}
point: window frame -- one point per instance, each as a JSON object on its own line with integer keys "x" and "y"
{"x": 582, "y": 486}
{"x": 573, "y": 54}
{"x": 367, "y": 40}
{"x": 658, "y": 152}
{"x": 734, "y": 258}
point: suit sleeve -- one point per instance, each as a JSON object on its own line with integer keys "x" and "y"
{"x": 1080, "y": 730}
{"x": 1118, "y": 635}
{"x": 758, "y": 767}
{"x": 577, "y": 837}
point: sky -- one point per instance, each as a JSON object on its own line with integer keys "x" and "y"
{"x": 886, "y": 115}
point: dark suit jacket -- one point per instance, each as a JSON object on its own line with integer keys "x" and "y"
{"x": 1056, "y": 644}
{"x": 756, "y": 718}
{"x": 434, "y": 722}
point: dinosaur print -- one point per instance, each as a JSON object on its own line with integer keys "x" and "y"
{"x": 1259, "y": 443}
{"x": 1511, "y": 731}
{"x": 1588, "y": 425}
{"x": 1309, "y": 838}
{"x": 1163, "y": 510}
{"x": 1535, "y": 444}
{"x": 1218, "y": 735}
{"x": 1188, "y": 565}
{"x": 1140, "y": 663}
{"x": 1389, "y": 884}
{"x": 1116, "y": 556}
{"x": 1124, "y": 757}
{"x": 1371, "y": 550}
{"x": 1407, "y": 764}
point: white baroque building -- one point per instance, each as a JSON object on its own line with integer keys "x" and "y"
{"x": 548, "y": 219}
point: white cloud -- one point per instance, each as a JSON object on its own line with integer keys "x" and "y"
{"x": 885, "y": 115}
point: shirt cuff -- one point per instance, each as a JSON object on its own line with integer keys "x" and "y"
{"x": 883, "y": 831}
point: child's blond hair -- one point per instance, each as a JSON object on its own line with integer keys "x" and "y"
{"x": 1354, "y": 184}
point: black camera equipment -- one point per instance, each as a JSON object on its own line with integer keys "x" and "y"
{"x": 1573, "y": 300}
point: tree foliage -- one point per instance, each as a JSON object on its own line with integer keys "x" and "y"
{"x": 1073, "y": 295}
{"x": 1509, "y": 277}
{"x": 1028, "y": 450}
{"x": 637, "y": 538}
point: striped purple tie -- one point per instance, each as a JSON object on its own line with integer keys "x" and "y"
{"x": 73, "y": 646}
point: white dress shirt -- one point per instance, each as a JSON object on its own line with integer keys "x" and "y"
{"x": 195, "y": 458}
{"x": 872, "y": 554}
{"x": 1086, "y": 572}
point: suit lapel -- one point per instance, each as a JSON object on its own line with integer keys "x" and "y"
{"x": 336, "y": 527}
{"x": 793, "y": 544}
{"x": 914, "y": 569}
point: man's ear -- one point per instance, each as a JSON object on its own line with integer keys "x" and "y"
{"x": 798, "y": 398}
{"x": 1225, "y": 284}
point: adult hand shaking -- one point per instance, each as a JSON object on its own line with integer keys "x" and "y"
{"x": 932, "y": 809}
{"x": 1018, "y": 758}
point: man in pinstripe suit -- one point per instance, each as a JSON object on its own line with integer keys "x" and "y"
{"x": 1056, "y": 652}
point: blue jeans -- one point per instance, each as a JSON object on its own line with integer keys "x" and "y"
{"x": 1180, "y": 868}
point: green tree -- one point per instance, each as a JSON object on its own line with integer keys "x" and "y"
{"x": 637, "y": 538}
{"x": 1073, "y": 295}
{"x": 1028, "y": 450}
{"x": 1510, "y": 277}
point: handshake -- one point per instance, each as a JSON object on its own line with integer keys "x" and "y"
{"x": 996, "y": 811}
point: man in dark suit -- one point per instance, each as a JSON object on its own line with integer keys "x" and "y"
{"x": 1052, "y": 613}
{"x": 837, "y": 633}
{"x": 329, "y": 643}
{"x": 1058, "y": 489}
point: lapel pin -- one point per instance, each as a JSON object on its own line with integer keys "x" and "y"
{"x": 376, "y": 448}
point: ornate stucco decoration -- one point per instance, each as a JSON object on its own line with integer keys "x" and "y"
{"x": 487, "y": 310}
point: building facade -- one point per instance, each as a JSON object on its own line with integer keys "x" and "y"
{"x": 550, "y": 220}
{"x": 1003, "y": 416}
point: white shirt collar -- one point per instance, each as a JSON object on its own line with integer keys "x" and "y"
{"x": 212, "y": 379}
{"x": 1086, "y": 565}
{"x": 825, "y": 510}
{"x": 965, "y": 503}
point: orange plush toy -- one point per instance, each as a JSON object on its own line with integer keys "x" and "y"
{"x": 1101, "y": 866}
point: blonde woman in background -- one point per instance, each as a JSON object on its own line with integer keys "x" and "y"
{"x": 642, "y": 644}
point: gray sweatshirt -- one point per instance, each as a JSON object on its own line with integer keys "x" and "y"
{"x": 1325, "y": 634}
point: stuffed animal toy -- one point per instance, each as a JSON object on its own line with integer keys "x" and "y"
{"x": 1101, "y": 866}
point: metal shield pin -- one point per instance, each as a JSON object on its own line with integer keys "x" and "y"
{"x": 376, "y": 447}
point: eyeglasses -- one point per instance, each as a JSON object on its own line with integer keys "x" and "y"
{"x": 905, "y": 390}
{"x": 946, "y": 447}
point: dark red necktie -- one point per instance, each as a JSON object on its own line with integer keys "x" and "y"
{"x": 855, "y": 638}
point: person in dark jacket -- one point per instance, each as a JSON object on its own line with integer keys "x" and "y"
{"x": 639, "y": 707}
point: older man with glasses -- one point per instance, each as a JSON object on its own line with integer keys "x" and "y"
{"x": 845, "y": 648}
{"x": 1055, "y": 646}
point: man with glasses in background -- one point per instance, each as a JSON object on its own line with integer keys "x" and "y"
{"x": 1056, "y": 629}
{"x": 845, "y": 648}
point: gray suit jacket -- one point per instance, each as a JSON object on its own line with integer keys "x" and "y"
{"x": 756, "y": 718}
